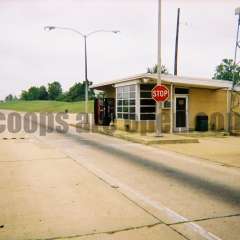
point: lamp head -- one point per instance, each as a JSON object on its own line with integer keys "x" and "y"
{"x": 237, "y": 11}
{"x": 49, "y": 28}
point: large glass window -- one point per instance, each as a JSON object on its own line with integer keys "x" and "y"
{"x": 147, "y": 104}
{"x": 126, "y": 102}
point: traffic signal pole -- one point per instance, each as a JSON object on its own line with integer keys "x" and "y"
{"x": 159, "y": 81}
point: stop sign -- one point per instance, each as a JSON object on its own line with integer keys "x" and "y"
{"x": 160, "y": 93}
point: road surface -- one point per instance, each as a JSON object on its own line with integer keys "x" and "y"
{"x": 90, "y": 186}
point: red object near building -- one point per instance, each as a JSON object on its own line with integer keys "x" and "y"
{"x": 160, "y": 93}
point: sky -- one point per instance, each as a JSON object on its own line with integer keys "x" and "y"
{"x": 31, "y": 56}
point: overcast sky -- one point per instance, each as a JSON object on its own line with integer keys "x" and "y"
{"x": 30, "y": 56}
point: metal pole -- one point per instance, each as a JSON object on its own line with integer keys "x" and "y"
{"x": 158, "y": 104}
{"x": 176, "y": 44}
{"x": 171, "y": 113}
{"x": 233, "y": 82}
{"x": 86, "y": 75}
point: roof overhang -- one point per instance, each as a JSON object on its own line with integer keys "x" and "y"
{"x": 167, "y": 79}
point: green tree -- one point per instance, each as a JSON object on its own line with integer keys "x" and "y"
{"x": 54, "y": 90}
{"x": 77, "y": 92}
{"x": 9, "y": 98}
{"x": 43, "y": 94}
{"x": 24, "y": 95}
{"x": 154, "y": 69}
{"x": 227, "y": 70}
{"x": 33, "y": 93}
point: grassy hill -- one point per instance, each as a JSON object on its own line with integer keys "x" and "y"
{"x": 46, "y": 106}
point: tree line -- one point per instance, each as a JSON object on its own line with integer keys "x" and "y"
{"x": 54, "y": 92}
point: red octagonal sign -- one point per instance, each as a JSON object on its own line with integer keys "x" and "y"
{"x": 160, "y": 93}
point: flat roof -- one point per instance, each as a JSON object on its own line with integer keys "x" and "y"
{"x": 171, "y": 79}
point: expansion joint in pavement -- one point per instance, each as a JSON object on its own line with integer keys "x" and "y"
{"x": 99, "y": 233}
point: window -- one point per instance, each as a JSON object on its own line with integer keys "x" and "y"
{"x": 147, "y": 104}
{"x": 181, "y": 91}
{"x": 126, "y": 102}
{"x": 167, "y": 104}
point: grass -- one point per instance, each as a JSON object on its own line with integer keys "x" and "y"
{"x": 46, "y": 106}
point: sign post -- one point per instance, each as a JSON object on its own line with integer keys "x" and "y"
{"x": 160, "y": 93}
{"x": 158, "y": 105}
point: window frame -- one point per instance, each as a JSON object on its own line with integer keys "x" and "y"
{"x": 126, "y": 94}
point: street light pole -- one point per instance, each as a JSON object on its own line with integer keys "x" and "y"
{"x": 159, "y": 72}
{"x": 85, "y": 36}
{"x": 86, "y": 74}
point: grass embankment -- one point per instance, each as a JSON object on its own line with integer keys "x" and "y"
{"x": 46, "y": 106}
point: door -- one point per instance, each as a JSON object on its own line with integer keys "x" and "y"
{"x": 181, "y": 113}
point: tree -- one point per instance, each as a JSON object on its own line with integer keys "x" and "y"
{"x": 154, "y": 69}
{"x": 9, "y": 98}
{"x": 33, "y": 93}
{"x": 54, "y": 90}
{"x": 227, "y": 70}
{"x": 24, "y": 95}
{"x": 43, "y": 94}
{"x": 77, "y": 92}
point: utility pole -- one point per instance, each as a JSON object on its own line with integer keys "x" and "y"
{"x": 159, "y": 81}
{"x": 237, "y": 13}
{"x": 176, "y": 44}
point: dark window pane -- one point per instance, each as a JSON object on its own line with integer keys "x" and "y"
{"x": 119, "y": 115}
{"x": 147, "y": 117}
{"x": 132, "y": 109}
{"x": 120, "y": 102}
{"x": 181, "y": 91}
{"x": 119, "y": 109}
{"x": 125, "y": 102}
{"x": 132, "y": 102}
{"x": 167, "y": 104}
{"x": 125, "y": 116}
{"x": 125, "y": 109}
{"x": 147, "y": 87}
{"x": 145, "y": 95}
{"x": 132, "y": 116}
{"x": 147, "y": 102}
{"x": 147, "y": 110}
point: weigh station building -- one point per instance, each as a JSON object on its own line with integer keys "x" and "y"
{"x": 193, "y": 104}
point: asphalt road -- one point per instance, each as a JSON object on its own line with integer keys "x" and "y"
{"x": 90, "y": 186}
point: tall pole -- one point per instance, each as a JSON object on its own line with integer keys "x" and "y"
{"x": 233, "y": 81}
{"x": 159, "y": 81}
{"x": 176, "y": 44}
{"x": 86, "y": 75}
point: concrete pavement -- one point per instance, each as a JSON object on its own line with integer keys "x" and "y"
{"x": 46, "y": 194}
{"x": 90, "y": 186}
{"x": 222, "y": 150}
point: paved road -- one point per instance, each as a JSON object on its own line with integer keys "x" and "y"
{"x": 91, "y": 186}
